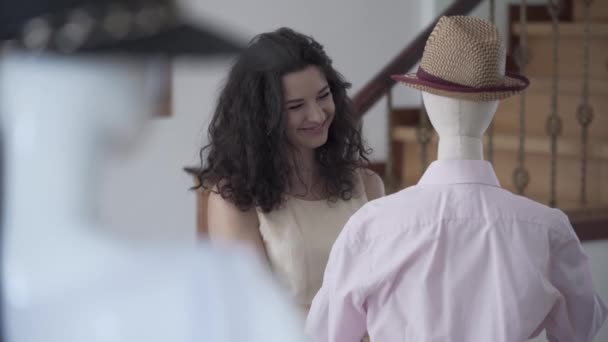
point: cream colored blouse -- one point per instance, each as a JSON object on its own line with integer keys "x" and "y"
{"x": 298, "y": 238}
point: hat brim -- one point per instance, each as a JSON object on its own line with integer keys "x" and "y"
{"x": 180, "y": 40}
{"x": 511, "y": 84}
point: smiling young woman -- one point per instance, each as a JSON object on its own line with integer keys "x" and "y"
{"x": 285, "y": 159}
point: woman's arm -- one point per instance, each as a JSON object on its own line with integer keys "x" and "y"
{"x": 226, "y": 222}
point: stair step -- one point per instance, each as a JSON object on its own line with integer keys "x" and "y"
{"x": 566, "y": 29}
{"x": 598, "y": 11}
{"x": 589, "y": 223}
{"x": 406, "y": 116}
{"x": 537, "y": 163}
{"x": 588, "y": 214}
{"x": 568, "y": 178}
{"x": 568, "y": 148}
{"x": 538, "y": 104}
{"x": 540, "y": 42}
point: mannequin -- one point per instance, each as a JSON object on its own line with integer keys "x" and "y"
{"x": 51, "y": 179}
{"x": 65, "y": 279}
{"x": 460, "y": 125}
{"x": 456, "y": 239}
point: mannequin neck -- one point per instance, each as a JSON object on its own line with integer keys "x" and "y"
{"x": 460, "y": 125}
{"x": 460, "y": 147}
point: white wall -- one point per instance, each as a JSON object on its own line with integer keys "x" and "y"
{"x": 146, "y": 192}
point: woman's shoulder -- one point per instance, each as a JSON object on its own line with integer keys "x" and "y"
{"x": 372, "y": 183}
{"x": 222, "y": 212}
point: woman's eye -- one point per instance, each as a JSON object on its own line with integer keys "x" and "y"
{"x": 294, "y": 107}
{"x": 324, "y": 95}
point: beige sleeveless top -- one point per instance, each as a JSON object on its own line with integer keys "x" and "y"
{"x": 299, "y": 236}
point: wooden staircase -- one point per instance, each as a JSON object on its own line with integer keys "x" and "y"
{"x": 408, "y": 166}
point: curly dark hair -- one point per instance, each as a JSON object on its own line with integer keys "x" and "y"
{"x": 249, "y": 160}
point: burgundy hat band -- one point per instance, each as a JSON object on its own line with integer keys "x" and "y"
{"x": 426, "y": 78}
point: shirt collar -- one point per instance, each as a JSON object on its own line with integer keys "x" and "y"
{"x": 458, "y": 171}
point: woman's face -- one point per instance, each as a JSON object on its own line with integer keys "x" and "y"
{"x": 309, "y": 107}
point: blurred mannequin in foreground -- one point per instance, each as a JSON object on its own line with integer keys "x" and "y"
{"x": 77, "y": 81}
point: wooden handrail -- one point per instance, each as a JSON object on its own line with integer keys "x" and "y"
{"x": 378, "y": 86}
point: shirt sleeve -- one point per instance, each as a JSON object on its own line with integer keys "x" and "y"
{"x": 338, "y": 311}
{"x": 580, "y": 312}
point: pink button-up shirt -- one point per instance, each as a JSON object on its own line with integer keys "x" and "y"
{"x": 456, "y": 258}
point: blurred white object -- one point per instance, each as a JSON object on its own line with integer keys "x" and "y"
{"x": 64, "y": 278}
{"x": 179, "y": 294}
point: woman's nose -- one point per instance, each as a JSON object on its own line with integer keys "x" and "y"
{"x": 316, "y": 114}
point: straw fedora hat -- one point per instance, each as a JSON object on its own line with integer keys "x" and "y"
{"x": 464, "y": 58}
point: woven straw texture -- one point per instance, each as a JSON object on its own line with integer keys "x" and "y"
{"x": 469, "y": 54}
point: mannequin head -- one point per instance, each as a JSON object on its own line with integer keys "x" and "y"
{"x": 460, "y": 125}
{"x": 462, "y": 77}
{"x": 453, "y": 117}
